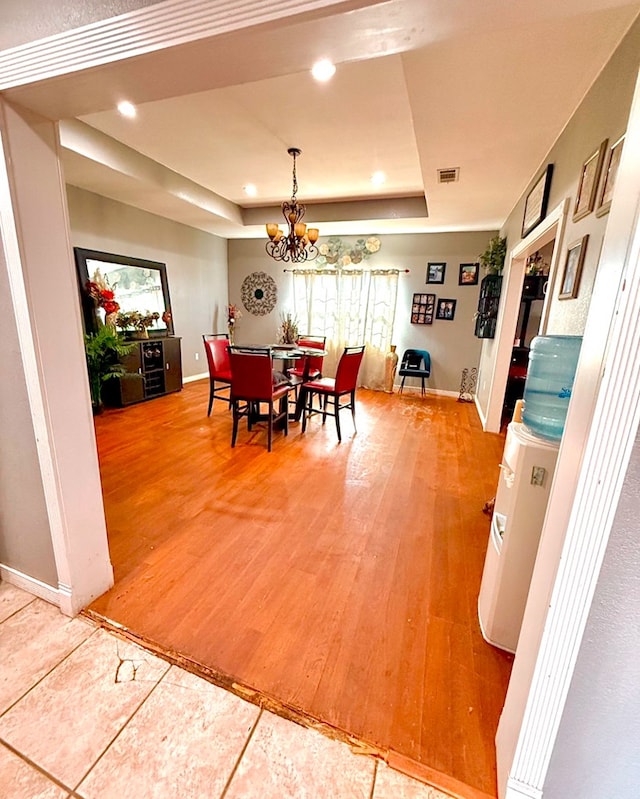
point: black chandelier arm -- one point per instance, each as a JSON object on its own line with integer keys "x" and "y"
{"x": 293, "y": 211}
{"x": 283, "y": 250}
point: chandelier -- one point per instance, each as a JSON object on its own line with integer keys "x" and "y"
{"x": 298, "y": 243}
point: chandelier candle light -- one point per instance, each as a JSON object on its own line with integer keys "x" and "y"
{"x": 298, "y": 244}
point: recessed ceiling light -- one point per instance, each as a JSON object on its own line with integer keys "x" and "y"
{"x": 378, "y": 178}
{"x": 323, "y": 70}
{"x": 250, "y": 190}
{"x": 127, "y": 109}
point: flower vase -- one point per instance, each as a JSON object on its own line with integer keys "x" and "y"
{"x": 110, "y": 320}
{"x": 140, "y": 334}
{"x": 390, "y": 366}
{"x": 231, "y": 329}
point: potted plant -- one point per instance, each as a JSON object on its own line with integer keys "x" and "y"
{"x": 103, "y": 351}
{"x": 492, "y": 259}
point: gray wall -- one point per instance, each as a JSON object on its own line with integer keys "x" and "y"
{"x": 597, "y": 752}
{"x": 196, "y": 263}
{"x": 602, "y": 115}
{"x": 452, "y": 345}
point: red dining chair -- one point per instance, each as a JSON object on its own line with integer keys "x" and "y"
{"x": 311, "y": 367}
{"x": 344, "y": 384}
{"x": 215, "y": 347}
{"x": 253, "y": 382}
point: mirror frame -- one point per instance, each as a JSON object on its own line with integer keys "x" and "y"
{"x": 89, "y": 310}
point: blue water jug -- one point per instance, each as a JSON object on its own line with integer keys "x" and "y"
{"x": 553, "y": 361}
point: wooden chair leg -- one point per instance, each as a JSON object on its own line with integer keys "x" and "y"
{"x": 306, "y": 404}
{"x": 236, "y": 418}
{"x": 353, "y": 409}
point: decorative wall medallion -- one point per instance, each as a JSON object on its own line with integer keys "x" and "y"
{"x": 259, "y": 293}
{"x": 334, "y": 252}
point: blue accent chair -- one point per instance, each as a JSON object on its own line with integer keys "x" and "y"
{"x": 415, "y": 363}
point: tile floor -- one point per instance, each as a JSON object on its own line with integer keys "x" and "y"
{"x": 86, "y": 714}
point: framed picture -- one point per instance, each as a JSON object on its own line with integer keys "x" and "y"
{"x": 435, "y": 272}
{"x": 573, "y": 269}
{"x": 446, "y": 309}
{"x": 535, "y": 206}
{"x": 609, "y": 177}
{"x": 422, "y": 309}
{"x": 588, "y": 183}
{"x": 468, "y": 275}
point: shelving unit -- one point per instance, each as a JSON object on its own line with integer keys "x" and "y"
{"x": 159, "y": 366}
{"x": 488, "y": 303}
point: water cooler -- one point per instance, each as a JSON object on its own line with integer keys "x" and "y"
{"x": 526, "y": 474}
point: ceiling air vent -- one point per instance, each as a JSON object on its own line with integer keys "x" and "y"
{"x": 448, "y": 175}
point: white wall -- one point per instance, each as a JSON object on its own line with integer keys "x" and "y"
{"x": 22, "y": 21}
{"x": 196, "y": 263}
{"x": 602, "y": 712}
{"x": 452, "y": 345}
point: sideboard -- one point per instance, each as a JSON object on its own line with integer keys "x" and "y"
{"x": 158, "y": 363}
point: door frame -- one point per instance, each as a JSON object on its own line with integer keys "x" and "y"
{"x": 552, "y": 228}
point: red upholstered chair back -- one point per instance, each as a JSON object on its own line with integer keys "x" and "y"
{"x": 315, "y": 343}
{"x": 348, "y": 368}
{"x": 251, "y": 373}
{"x": 217, "y": 355}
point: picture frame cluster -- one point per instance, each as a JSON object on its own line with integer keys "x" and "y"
{"x": 426, "y": 307}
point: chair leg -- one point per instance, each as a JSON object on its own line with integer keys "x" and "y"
{"x": 306, "y": 404}
{"x": 401, "y": 385}
{"x": 422, "y": 388}
{"x": 324, "y": 408}
{"x": 211, "y": 390}
{"x": 236, "y": 418}
{"x": 336, "y": 408}
{"x": 284, "y": 408}
{"x": 270, "y": 426}
{"x": 353, "y": 409}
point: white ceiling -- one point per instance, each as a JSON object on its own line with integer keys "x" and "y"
{"x": 420, "y": 85}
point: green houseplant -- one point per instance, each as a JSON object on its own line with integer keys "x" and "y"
{"x": 103, "y": 351}
{"x": 492, "y": 259}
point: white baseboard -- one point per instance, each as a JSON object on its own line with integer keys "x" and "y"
{"x": 483, "y": 418}
{"x": 55, "y": 596}
{"x": 193, "y": 378}
{"x": 416, "y": 390}
{"x": 518, "y": 790}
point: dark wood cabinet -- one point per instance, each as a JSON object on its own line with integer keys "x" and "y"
{"x": 155, "y": 369}
{"x": 534, "y": 287}
{"x": 488, "y": 303}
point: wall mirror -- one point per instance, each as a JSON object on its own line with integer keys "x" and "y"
{"x": 138, "y": 285}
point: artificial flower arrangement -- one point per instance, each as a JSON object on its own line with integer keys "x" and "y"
{"x": 103, "y": 295}
{"x": 138, "y": 321}
{"x": 288, "y": 333}
{"x": 233, "y": 314}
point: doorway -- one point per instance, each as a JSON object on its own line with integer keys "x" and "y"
{"x": 547, "y": 236}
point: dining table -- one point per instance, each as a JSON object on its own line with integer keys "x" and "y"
{"x": 288, "y": 354}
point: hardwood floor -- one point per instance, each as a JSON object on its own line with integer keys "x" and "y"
{"x": 337, "y": 581}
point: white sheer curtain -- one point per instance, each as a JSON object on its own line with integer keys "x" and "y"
{"x": 350, "y": 307}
